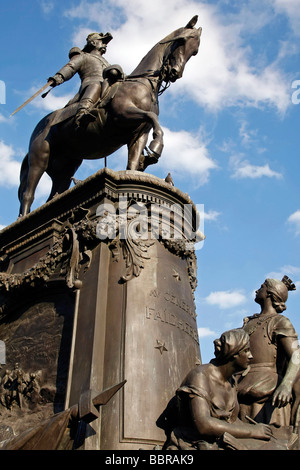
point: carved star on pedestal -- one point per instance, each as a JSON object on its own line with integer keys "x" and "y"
{"x": 161, "y": 346}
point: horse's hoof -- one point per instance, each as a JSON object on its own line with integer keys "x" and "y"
{"x": 151, "y": 158}
{"x": 156, "y": 147}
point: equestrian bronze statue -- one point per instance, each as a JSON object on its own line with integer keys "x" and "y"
{"x": 124, "y": 114}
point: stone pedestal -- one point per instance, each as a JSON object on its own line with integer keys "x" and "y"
{"x": 96, "y": 288}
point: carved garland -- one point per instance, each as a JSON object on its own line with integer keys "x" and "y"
{"x": 73, "y": 252}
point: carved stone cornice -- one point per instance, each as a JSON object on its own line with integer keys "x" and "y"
{"x": 76, "y": 232}
{"x": 105, "y": 182}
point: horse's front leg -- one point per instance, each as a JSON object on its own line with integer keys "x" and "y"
{"x": 148, "y": 117}
{"x": 157, "y": 144}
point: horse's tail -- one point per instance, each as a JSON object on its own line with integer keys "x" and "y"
{"x": 23, "y": 177}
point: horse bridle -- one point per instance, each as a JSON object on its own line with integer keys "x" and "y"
{"x": 155, "y": 76}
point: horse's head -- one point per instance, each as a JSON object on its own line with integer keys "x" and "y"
{"x": 183, "y": 45}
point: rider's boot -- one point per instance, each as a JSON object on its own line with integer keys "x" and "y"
{"x": 83, "y": 115}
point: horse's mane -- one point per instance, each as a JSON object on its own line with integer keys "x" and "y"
{"x": 153, "y": 60}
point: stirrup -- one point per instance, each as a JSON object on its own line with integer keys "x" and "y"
{"x": 83, "y": 117}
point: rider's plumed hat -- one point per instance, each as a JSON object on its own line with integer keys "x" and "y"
{"x": 104, "y": 37}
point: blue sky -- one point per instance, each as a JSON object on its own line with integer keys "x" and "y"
{"x": 231, "y": 128}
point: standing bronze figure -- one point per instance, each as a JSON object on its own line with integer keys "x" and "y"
{"x": 124, "y": 116}
{"x": 266, "y": 392}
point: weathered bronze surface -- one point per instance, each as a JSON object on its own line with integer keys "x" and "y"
{"x": 269, "y": 392}
{"x": 89, "y": 64}
{"x": 123, "y": 115}
{"x": 61, "y": 431}
{"x": 204, "y": 415}
{"x": 95, "y": 291}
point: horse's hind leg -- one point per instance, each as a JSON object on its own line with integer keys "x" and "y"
{"x": 59, "y": 185}
{"x": 38, "y": 160}
{"x": 23, "y": 180}
{"x": 135, "y": 153}
{"x": 61, "y": 173}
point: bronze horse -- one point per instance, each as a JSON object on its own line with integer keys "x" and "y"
{"x": 58, "y": 148}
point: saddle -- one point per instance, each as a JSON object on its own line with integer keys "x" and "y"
{"x": 70, "y": 110}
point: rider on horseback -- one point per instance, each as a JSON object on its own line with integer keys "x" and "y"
{"x": 127, "y": 112}
{"x": 89, "y": 64}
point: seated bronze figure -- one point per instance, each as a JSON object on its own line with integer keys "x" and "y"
{"x": 206, "y": 415}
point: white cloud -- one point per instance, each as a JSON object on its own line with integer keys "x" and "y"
{"x": 243, "y": 169}
{"x": 248, "y": 136}
{"x": 51, "y": 102}
{"x": 43, "y": 188}
{"x": 211, "y": 215}
{"x": 46, "y": 6}
{"x": 297, "y": 284}
{"x": 205, "y": 331}
{"x": 3, "y": 118}
{"x": 100, "y": 13}
{"x": 185, "y": 153}
{"x": 291, "y": 9}
{"x": 10, "y": 172}
{"x": 9, "y": 166}
{"x": 226, "y": 299}
{"x": 288, "y": 270}
{"x": 219, "y": 79}
{"x": 292, "y": 271}
{"x": 224, "y": 73}
{"x": 294, "y": 221}
{"x": 247, "y": 170}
